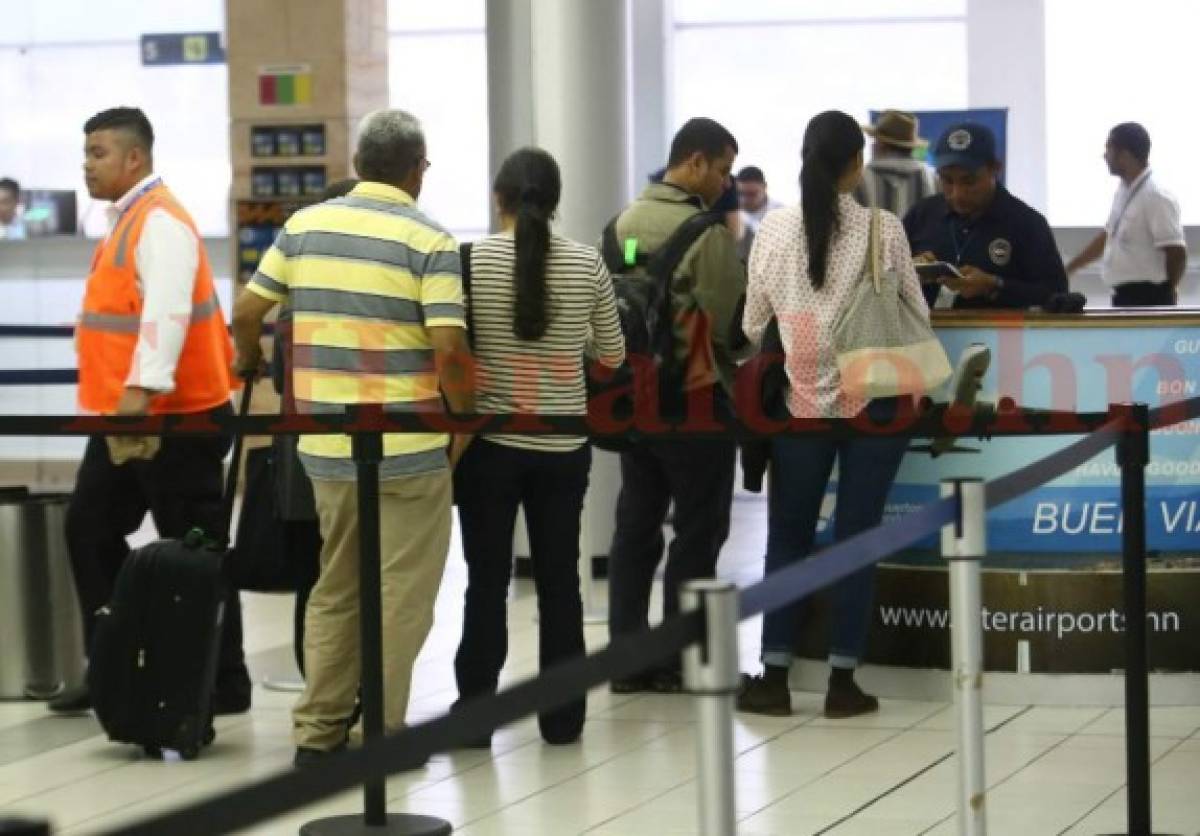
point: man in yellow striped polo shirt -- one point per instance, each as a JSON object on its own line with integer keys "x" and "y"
{"x": 375, "y": 290}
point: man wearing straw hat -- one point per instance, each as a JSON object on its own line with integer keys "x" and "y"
{"x": 894, "y": 180}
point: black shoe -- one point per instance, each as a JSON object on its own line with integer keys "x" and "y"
{"x": 307, "y": 756}
{"x": 72, "y": 701}
{"x": 657, "y": 682}
{"x": 561, "y": 738}
{"x": 760, "y": 695}
{"x": 666, "y": 682}
{"x": 635, "y": 684}
{"x": 845, "y": 699}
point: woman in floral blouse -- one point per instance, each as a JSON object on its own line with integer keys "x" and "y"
{"x": 805, "y": 262}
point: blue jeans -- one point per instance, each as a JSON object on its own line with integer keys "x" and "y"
{"x": 800, "y": 469}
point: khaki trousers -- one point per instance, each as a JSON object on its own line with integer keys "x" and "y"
{"x": 414, "y": 513}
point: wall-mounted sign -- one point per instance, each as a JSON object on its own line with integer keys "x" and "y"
{"x": 258, "y": 224}
{"x": 173, "y": 48}
{"x": 287, "y": 85}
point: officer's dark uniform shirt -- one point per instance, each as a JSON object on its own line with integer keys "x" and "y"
{"x": 1010, "y": 240}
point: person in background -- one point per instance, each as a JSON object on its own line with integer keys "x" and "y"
{"x": 536, "y": 299}
{"x": 1142, "y": 247}
{"x": 375, "y": 289}
{"x": 12, "y": 228}
{"x": 1003, "y": 247}
{"x": 752, "y": 197}
{"x": 728, "y": 206}
{"x": 151, "y": 340}
{"x": 697, "y": 475}
{"x": 806, "y": 262}
{"x": 894, "y": 180}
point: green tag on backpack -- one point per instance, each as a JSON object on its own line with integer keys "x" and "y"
{"x": 631, "y": 248}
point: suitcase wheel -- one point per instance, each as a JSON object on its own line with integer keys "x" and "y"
{"x": 189, "y": 753}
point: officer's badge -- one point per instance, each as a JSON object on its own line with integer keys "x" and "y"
{"x": 1000, "y": 252}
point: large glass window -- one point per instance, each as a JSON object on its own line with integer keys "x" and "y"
{"x": 764, "y": 67}
{"x": 438, "y": 72}
{"x": 1109, "y": 62}
{"x": 62, "y": 62}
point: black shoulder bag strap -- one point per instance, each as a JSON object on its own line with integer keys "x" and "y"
{"x": 464, "y": 255}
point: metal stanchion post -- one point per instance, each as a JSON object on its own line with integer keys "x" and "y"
{"x": 367, "y": 449}
{"x": 964, "y": 544}
{"x": 710, "y": 670}
{"x": 1133, "y": 453}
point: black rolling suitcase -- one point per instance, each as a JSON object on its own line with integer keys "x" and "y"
{"x": 153, "y": 661}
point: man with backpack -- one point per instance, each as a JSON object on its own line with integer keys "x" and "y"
{"x": 706, "y": 282}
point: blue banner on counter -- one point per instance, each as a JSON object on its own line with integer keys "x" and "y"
{"x": 1081, "y": 366}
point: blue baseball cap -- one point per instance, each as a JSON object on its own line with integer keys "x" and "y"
{"x": 966, "y": 144}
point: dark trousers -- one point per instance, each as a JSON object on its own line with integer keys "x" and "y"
{"x": 490, "y": 482}
{"x": 800, "y": 470}
{"x": 697, "y": 475}
{"x": 1143, "y": 295}
{"x": 181, "y": 488}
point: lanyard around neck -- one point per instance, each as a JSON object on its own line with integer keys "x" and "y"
{"x": 959, "y": 249}
{"x": 1128, "y": 200}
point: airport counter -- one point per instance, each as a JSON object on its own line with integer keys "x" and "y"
{"x": 1052, "y": 582}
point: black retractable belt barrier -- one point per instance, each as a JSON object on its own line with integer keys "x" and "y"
{"x": 64, "y": 332}
{"x": 1133, "y": 454}
{"x": 624, "y": 655}
{"x": 38, "y": 377}
{"x": 246, "y": 806}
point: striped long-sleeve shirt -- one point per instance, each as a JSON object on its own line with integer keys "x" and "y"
{"x": 543, "y": 376}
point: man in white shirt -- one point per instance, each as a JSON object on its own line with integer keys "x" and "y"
{"x": 151, "y": 339}
{"x": 12, "y": 227}
{"x": 1142, "y": 247}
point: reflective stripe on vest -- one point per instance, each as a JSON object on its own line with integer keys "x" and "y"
{"x": 132, "y": 323}
{"x": 111, "y": 323}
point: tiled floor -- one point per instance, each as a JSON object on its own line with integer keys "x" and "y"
{"x": 1050, "y": 770}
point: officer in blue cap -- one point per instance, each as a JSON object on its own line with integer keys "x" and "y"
{"x": 1002, "y": 248}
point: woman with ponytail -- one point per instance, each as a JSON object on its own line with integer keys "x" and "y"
{"x": 805, "y": 263}
{"x": 536, "y": 300}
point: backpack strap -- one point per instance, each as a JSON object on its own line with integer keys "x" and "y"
{"x": 662, "y": 266}
{"x": 610, "y": 248}
{"x": 669, "y": 256}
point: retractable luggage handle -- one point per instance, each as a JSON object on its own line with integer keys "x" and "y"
{"x": 231, "y": 478}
